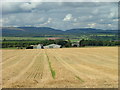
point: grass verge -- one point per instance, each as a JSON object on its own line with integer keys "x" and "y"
{"x": 51, "y": 69}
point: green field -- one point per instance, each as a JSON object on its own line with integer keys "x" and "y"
{"x": 33, "y": 38}
{"x": 104, "y": 35}
{"x": 23, "y": 38}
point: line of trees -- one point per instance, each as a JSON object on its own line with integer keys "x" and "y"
{"x": 98, "y": 43}
{"x": 63, "y": 43}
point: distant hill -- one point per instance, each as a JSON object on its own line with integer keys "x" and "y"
{"x": 41, "y": 31}
{"x": 90, "y": 31}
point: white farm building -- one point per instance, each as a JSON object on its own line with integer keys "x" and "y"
{"x": 52, "y": 46}
{"x": 39, "y": 46}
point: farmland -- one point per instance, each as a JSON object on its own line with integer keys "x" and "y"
{"x": 91, "y": 67}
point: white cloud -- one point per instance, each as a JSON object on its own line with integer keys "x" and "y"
{"x": 68, "y": 17}
{"x": 115, "y": 20}
{"x": 92, "y": 25}
{"x": 110, "y": 25}
{"x": 49, "y": 20}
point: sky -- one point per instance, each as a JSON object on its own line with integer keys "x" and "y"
{"x": 61, "y": 15}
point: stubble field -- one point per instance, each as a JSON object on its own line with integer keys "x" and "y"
{"x": 95, "y": 67}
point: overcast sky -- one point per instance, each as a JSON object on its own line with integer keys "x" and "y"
{"x": 61, "y": 15}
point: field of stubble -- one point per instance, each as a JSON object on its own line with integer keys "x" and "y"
{"x": 95, "y": 67}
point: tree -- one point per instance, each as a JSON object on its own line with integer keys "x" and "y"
{"x": 69, "y": 43}
{"x": 81, "y": 43}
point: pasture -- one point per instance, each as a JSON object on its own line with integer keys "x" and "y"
{"x": 23, "y": 38}
{"x": 95, "y": 67}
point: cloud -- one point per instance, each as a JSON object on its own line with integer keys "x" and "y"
{"x": 18, "y": 7}
{"x": 68, "y": 17}
{"x": 61, "y": 15}
{"x": 92, "y": 25}
{"x": 28, "y": 6}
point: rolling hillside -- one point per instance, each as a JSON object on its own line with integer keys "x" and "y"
{"x": 41, "y": 31}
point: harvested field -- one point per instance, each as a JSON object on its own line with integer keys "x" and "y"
{"x": 95, "y": 67}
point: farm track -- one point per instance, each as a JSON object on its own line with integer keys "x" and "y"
{"x": 70, "y": 67}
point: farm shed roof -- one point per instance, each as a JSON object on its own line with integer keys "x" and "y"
{"x": 52, "y": 46}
